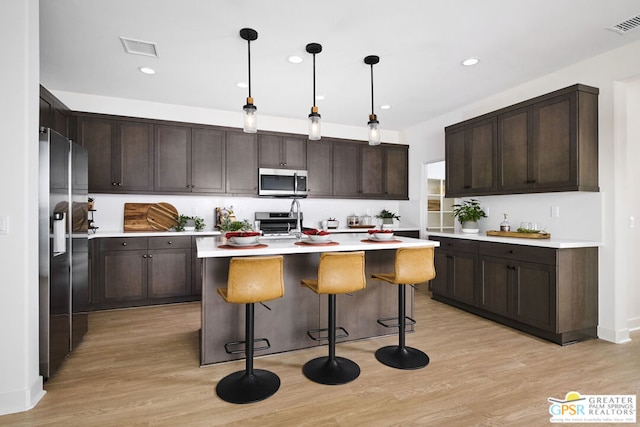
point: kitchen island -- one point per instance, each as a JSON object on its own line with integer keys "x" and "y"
{"x": 285, "y": 325}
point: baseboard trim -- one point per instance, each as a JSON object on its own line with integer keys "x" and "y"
{"x": 22, "y": 400}
{"x": 617, "y": 336}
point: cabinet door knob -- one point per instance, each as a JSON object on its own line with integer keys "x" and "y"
{"x": 124, "y": 243}
{"x": 144, "y": 256}
{"x": 512, "y": 251}
{"x": 150, "y": 255}
{"x": 170, "y": 242}
{"x": 114, "y": 183}
{"x": 119, "y": 184}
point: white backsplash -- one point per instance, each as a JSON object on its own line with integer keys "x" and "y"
{"x": 109, "y": 215}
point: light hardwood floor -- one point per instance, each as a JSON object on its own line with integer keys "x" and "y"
{"x": 139, "y": 367}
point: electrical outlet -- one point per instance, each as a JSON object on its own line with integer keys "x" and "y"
{"x": 555, "y": 211}
{"x": 4, "y": 225}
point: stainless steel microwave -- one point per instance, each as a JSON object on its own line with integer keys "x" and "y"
{"x": 282, "y": 182}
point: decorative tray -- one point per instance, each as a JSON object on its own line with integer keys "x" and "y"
{"x": 518, "y": 234}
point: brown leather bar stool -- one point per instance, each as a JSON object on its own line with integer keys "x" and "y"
{"x": 251, "y": 280}
{"x": 338, "y": 273}
{"x": 412, "y": 266}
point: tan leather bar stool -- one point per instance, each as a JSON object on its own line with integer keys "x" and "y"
{"x": 338, "y": 273}
{"x": 412, "y": 266}
{"x": 251, "y": 280}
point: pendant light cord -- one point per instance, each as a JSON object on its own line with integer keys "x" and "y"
{"x": 314, "y": 79}
{"x": 249, "y": 57}
{"x": 372, "y": 90}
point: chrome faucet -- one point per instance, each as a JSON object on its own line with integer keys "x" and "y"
{"x": 295, "y": 203}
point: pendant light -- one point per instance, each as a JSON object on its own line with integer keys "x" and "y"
{"x": 374, "y": 131}
{"x": 314, "y": 117}
{"x": 250, "y": 111}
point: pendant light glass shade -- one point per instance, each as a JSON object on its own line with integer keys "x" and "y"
{"x": 373, "y": 124}
{"x": 314, "y": 117}
{"x": 250, "y": 123}
{"x": 314, "y": 124}
{"x": 250, "y": 116}
{"x": 374, "y": 132}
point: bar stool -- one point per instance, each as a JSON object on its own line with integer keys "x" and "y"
{"x": 412, "y": 266}
{"x": 338, "y": 273}
{"x": 251, "y": 280}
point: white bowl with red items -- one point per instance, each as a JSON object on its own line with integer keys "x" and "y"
{"x": 243, "y": 237}
{"x": 381, "y": 234}
{"x": 317, "y": 235}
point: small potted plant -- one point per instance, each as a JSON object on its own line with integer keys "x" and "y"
{"x": 387, "y": 216}
{"x": 189, "y": 223}
{"x": 230, "y": 225}
{"x": 468, "y": 213}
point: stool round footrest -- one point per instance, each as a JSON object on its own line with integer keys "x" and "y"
{"x": 323, "y": 370}
{"x": 402, "y": 357}
{"x": 241, "y": 387}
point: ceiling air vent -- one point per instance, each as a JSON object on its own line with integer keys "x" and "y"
{"x": 627, "y": 25}
{"x": 139, "y": 47}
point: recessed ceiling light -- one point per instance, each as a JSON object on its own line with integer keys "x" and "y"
{"x": 295, "y": 59}
{"x": 242, "y": 85}
{"x": 147, "y": 70}
{"x": 385, "y": 107}
{"x": 320, "y": 98}
{"x": 470, "y": 62}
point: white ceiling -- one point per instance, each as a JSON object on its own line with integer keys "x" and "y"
{"x": 420, "y": 43}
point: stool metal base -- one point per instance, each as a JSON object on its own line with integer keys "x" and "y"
{"x": 402, "y": 357}
{"x": 241, "y": 387}
{"x": 324, "y": 370}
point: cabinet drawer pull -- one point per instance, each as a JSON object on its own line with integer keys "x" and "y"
{"x": 124, "y": 243}
{"x": 170, "y": 242}
{"x": 467, "y": 186}
{"x": 530, "y": 181}
{"x": 512, "y": 251}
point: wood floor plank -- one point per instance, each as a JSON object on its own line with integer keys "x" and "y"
{"x": 139, "y": 367}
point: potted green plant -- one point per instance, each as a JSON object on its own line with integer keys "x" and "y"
{"x": 468, "y": 213}
{"x": 387, "y": 216}
{"x": 189, "y": 223}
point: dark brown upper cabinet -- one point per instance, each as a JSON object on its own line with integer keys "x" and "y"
{"x": 380, "y": 172}
{"x": 320, "y": 168}
{"x": 189, "y": 160}
{"x": 550, "y": 145}
{"x": 471, "y": 152}
{"x": 53, "y": 113}
{"x": 120, "y": 154}
{"x": 278, "y": 151}
{"x": 546, "y": 144}
{"x": 242, "y": 163}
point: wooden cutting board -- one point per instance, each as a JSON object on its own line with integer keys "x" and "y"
{"x": 519, "y": 235}
{"x": 136, "y": 216}
{"x": 162, "y": 216}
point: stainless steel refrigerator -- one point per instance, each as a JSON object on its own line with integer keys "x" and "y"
{"x": 63, "y": 248}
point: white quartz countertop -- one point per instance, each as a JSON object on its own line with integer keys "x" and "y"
{"x": 120, "y": 233}
{"x": 208, "y": 247}
{"x": 545, "y": 243}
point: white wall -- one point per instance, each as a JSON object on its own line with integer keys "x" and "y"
{"x": 20, "y": 384}
{"x": 583, "y": 215}
{"x": 110, "y": 208}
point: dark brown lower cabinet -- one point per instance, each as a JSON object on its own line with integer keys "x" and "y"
{"x": 137, "y": 271}
{"x": 548, "y": 292}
